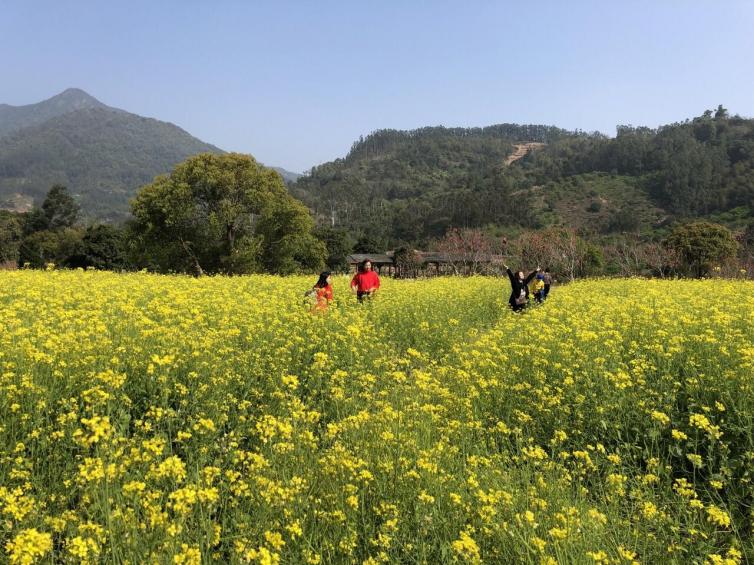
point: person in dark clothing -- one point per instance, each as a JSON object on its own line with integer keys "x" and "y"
{"x": 519, "y": 298}
{"x": 548, "y": 281}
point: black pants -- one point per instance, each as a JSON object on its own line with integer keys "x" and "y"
{"x": 361, "y": 295}
{"x": 547, "y": 290}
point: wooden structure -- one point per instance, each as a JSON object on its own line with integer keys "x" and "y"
{"x": 379, "y": 261}
{"x": 428, "y": 263}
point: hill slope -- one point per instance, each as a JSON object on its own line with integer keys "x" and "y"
{"x": 103, "y": 155}
{"x": 412, "y": 186}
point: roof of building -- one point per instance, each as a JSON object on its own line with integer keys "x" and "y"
{"x": 375, "y": 258}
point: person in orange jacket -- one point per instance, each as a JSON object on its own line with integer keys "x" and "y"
{"x": 365, "y": 282}
{"x": 322, "y": 291}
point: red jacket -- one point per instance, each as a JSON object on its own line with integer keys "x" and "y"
{"x": 364, "y": 282}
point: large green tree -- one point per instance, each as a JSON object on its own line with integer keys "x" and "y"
{"x": 702, "y": 245}
{"x": 223, "y": 213}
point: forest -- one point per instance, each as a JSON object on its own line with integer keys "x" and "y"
{"x": 411, "y": 187}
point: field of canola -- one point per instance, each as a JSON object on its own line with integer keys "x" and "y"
{"x": 156, "y": 419}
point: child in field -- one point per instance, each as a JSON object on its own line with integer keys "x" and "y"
{"x": 539, "y": 288}
{"x": 322, "y": 292}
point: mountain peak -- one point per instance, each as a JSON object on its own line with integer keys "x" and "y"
{"x": 14, "y": 118}
{"x": 72, "y": 99}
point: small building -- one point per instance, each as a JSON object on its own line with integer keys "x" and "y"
{"x": 414, "y": 263}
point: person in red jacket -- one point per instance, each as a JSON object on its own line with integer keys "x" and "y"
{"x": 365, "y": 282}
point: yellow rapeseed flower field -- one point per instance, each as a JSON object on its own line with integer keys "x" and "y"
{"x": 168, "y": 419}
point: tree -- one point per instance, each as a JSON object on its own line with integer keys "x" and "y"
{"x": 50, "y": 246}
{"x": 11, "y": 229}
{"x": 367, "y": 244}
{"x": 407, "y": 263}
{"x": 561, "y": 249}
{"x": 60, "y": 208}
{"x": 223, "y": 213}
{"x": 288, "y": 245}
{"x": 339, "y": 245}
{"x": 468, "y": 250}
{"x": 35, "y": 220}
{"x": 102, "y": 247}
{"x": 702, "y": 245}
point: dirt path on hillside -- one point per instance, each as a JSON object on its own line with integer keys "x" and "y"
{"x": 521, "y": 149}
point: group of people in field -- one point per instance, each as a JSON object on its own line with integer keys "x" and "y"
{"x": 366, "y": 282}
{"x": 520, "y": 295}
{"x": 364, "y": 285}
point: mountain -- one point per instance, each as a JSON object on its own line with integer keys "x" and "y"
{"x": 14, "y": 118}
{"x": 407, "y": 186}
{"x": 288, "y": 176}
{"x": 102, "y": 154}
{"x": 412, "y": 186}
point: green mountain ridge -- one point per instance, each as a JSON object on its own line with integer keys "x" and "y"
{"x": 412, "y": 186}
{"x": 102, "y": 154}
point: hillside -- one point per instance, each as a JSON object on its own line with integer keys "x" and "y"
{"x": 103, "y": 155}
{"x": 411, "y": 186}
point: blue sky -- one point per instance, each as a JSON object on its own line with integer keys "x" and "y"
{"x": 295, "y": 83}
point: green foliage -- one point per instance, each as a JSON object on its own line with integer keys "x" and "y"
{"x": 57, "y": 247}
{"x": 412, "y": 186}
{"x": 102, "y": 247}
{"x": 11, "y": 226}
{"x": 702, "y": 246}
{"x": 288, "y": 243}
{"x": 223, "y": 213}
{"x": 339, "y": 246}
{"x": 367, "y": 244}
{"x": 60, "y": 208}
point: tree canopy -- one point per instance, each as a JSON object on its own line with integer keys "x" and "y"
{"x": 224, "y": 213}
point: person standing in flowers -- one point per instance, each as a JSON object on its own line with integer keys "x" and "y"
{"x": 365, "y": 282}
{"x": 519, "y": 298}
{"x": 539, "y": 288}
{"x": 548, "y": 282}
{"x": 322, "y": 291}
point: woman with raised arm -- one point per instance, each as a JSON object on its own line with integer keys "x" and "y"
{"x": 519, "y": 298}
